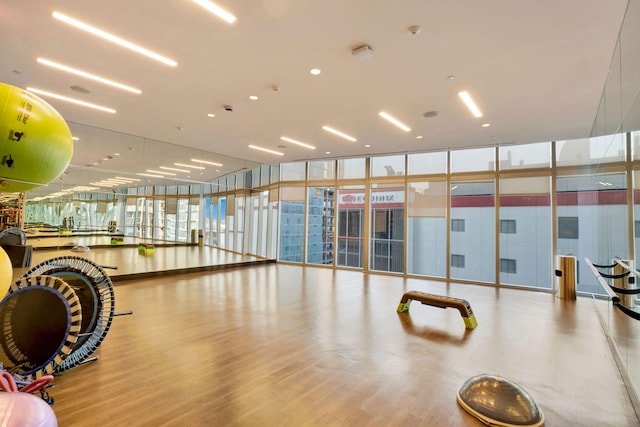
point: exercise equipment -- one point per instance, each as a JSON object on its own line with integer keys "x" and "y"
{"x": 41, "y": 320}
{"x": 497, "y": 401}
{"x": 440, "y": 301}
{"x": 8, "y": 383}
{"x": 24, "y": 409}
{"x": 13, "y": 236}
{"x": 6, "y": 269}
{"x": 33, "y": 134}
{"x": 617, "y": 295}
{"x": 146, "y": 248}
{"x": 97, "y": 300}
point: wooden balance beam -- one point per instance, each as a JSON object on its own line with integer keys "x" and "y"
{"x": 440, "y": 301}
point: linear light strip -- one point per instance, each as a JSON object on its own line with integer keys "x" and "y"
{"x": 466, "y": 98}
{"x": 302, "y": 144}
{"x": 266, "y": 150}
{"x": 174, "y": 169}
{"x": 160, "y": 172}
{"x": 189, "y": 166}
{"x": 113, "y": 39}
{"x": 338, "y": 133}
{"x": 87, "y": 75}
{"x": 72, "y": 100}
{"x": 206, "y": 162}
{"x": 394, "y": 121}
{"x": 130, "y": 179}
{"x": 216, "y": 10}
{"x": 151, "y": 175}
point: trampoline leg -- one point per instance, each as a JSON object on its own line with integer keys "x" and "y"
{"x": 123, "y": 313}
{"x": 90, "y": 359}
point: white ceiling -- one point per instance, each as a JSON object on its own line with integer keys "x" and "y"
{"x": 535, "y": 68}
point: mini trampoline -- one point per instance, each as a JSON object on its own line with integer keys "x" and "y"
{"x": 97, "y": 300}
{"x": 13, "y": 236}
{"x": 41, "y": 318}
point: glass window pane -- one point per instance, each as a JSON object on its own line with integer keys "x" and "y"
{"x": 427, "y": 163}
{"x": 474, "y": 202}
{"x": 291, "y": 224}
{"x": 387, "y": 165}
{"x": 635, "y": 144}
{"x": 320, "y": 225}
{"x": 292, "y": 171}
{"x": 350, "y": 238}
{"x": 592, "y": 222}
{"x": 473, "y": 160}
{"x": 387, "y": 227}
{"x": 520, "y": 156}
{"x": 590, "y": 151}
{"x": 265, "y": 171}
{"x": 322, "y": 169}
{"x": 351, "y": 168}
{"x": 525, "y": 232}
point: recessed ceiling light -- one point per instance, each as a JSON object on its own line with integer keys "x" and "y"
{"x": 75, "y": 138}
{"x": 217, "y": 10}
{"x": 338, "y": 133}
{"x": 206, "y": 162}
{"x": 253, "y": 97}
{"x": 315, "y": 71}
{"x": 394, "y": 121}
{"x": 430, "y": 114}
{"x": 327, "y": 152}
{"x": 211, "y": 115}
{"x": 116, "y": 154}
{"x": 114, "y": 39}
{"x": 71, "y": 100}
{"x": 486, "y": 125}
{"x": 367, "y": 146}
{"x": 302, "y": 144}
{"x": 466, "y": 98}
{"x": 266, "y": 150}
{"x": 452, "y": 77}
{"x": 419, "y": 137}
{"x": 87, "y": 75}
{"x": 189, "y": 166}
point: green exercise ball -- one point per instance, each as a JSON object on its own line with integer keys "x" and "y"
{"x": 35, "y": 141}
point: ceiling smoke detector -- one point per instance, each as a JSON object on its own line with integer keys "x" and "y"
{"x": 362, "y": 52}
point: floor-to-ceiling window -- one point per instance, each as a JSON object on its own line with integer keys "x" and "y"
{"x": 387, "y": 227}
{"x": 472, "y": 215}
{"x": 525, "y": 216}
{"x": 350, "y": 204}
{"x": 427, "y": 214}
{"x": 591, "y": 192}
{"x": 320, "y": 225}
{"x": 525, "y": 232}
{"x": 291, "y": 224}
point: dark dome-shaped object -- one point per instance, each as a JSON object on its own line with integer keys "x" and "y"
{"x": 496, "y": 401}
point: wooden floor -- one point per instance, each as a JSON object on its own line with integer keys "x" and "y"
{"x": 282, "y": 345}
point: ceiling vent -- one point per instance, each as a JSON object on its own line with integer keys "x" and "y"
{"x": 362, "y": 52}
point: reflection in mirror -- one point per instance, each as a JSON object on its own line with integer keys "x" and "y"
{"x": 109, "y": 185}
